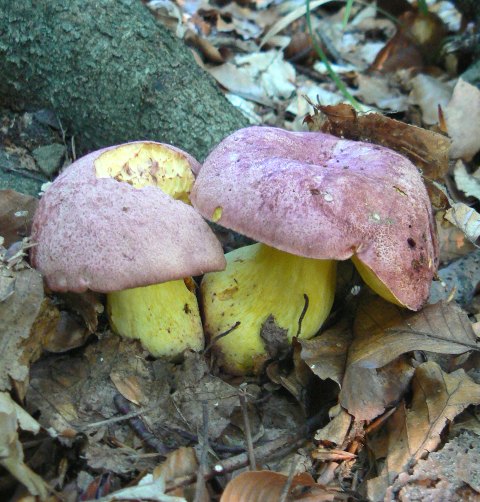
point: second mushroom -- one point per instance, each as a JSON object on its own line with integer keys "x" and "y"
{"x": 118, "y": 221}
{"x": 309, "y": 199}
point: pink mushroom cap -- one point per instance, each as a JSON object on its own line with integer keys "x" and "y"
{"x": 105, "y": 235}
{"x": 318, "y": 196}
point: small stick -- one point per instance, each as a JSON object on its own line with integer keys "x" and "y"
{"x": 202, "y": 468}
{"x": 221, "y": 335}
{"x": 138, "y": 426}
{"x": 248, "y": 432}
{"x": 288, "y": 482}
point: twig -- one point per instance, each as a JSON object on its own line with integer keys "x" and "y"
{"x": 221, "y": 335}
{"x": 248, "y": 432}
{"x": 288, "y": 482}
{"x": 138, "y": 426}
{"x": 277, "y": 447}
{"x": 202, "y": 468}
{"x": 302, "y": 315}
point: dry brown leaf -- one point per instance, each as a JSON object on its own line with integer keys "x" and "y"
{"x": 450, "y": 474}
{"x": 462, "y": 116}
{"x": 181, "y": 462}
{"x": 375, "y": 376}
{"x": 326, "y": 354}
{"x": 384, "y": 331}
{"x": 367, "y": 392}
{"x": 336, "y": 430}
{"x": 18, "y": 313}
{"x": 415, "y": 431}
{"x": 426, "y": 149}
{"x": 16, "y": 213}
{"x": 267, "y": 486}
{"x": 130, "y": 387}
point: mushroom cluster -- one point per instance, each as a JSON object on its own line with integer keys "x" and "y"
{"x": 309, "y": 199}
{"x": 118, "y": 221}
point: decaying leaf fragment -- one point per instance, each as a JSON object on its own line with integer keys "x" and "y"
{"x": 426, "y": 149}
{"x": 18, "y": 312}
{"x": 415, "y": 431}
{"x": 13, "y": 416}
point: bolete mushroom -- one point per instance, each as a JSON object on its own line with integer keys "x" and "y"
{"x": 118, "y": 221}
{"x": 308, "y": 198}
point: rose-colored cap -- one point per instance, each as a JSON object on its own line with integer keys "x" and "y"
{"x": 319, "y": 196}
{"x": 105, "y": 235}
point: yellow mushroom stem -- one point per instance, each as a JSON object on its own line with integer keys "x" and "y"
{"x": 262, "y": 283}
{"x": 369, "y": 278}
{"x": 164, "y": 317}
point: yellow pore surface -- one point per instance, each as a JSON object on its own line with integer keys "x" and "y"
{"x": 148, "y": 164}
{"x": 369, "y": 278}
{"x": 260, "y": 282}
{"x": 164, "y": 317}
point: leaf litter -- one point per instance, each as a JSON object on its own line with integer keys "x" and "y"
{"x": 380, "y": 386}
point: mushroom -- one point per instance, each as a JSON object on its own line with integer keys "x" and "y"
{"x": 308, "y": 198}
{"x": 118, "y": 221}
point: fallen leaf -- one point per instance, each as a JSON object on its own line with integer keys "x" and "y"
{"x": 468, "y": 183}
{"x": 384, "y": 331}
{"x": 148, "y": 488}
{"x": 336, "y": 430}
{"x": 179, "y": 463}
{"x": 466, "y": 219}
{"x": 462, "y": 116}
{"x": 326, "y": 354}
{"x": 449, "y": 474}
{"x": 267, "y": 486}
{"x": 415, "y": 431}
{"x": 378, "y": 91}
{"x": 18, "y": 313}
{"x": 452, "y": 241}
{"x": 429, "y": 93}
{"x": 13, "y": 416}
{"x": 458, "y": 281}
{"x": 426, "y": 149}
{"x": 367, "y": 392}
{"x": 16, "y": 214}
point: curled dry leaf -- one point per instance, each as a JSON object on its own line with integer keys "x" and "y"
{"x": 426, "y": 149}
{"x": 413, "y": 432}
{"x": 267, "y": 486}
